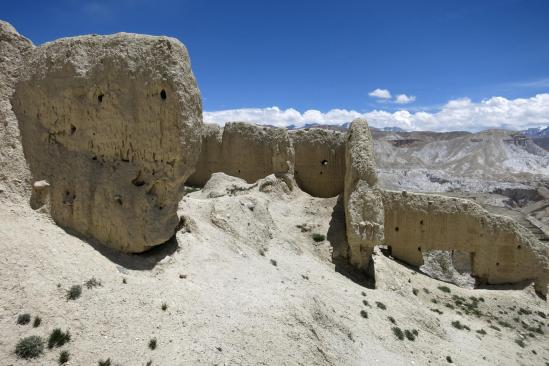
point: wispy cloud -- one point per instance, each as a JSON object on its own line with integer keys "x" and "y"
{"x": 457, "y": 114}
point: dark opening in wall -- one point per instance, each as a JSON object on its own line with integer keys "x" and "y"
{"x": 519, "y": 246}
{"x": 421, "y": 222}
{"x": 100, "y": 98}
{"x": 396, "y": 228}
{"x": 73, "y": 129}
{"x": 419, "y": 249}
{"x": 324, "y": 162}
{"x": 163, "y": 94}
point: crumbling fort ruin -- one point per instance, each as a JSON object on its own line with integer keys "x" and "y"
{"x": 111, "y": 127}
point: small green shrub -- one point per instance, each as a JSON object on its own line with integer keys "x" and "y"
{"x": 37, "y": 321}
{"x": 436, "y": 311}
{"x": 364, "y": 294}
{"x": 523, "y": 311}
{"x": 457, "y": 324}
{"x": 415, "y": 291}
{"x": 520, "y": 342}
{"x": 63, "y": 357}
{"x": 391, "y": 319}
{"x": 58, "y": 338}
{"x": 23, "y": 319}
{"x": 92, "y": 282}
{"x": 495, "y": 328}
{"x": 449, "y": 359}
{"x": 164, "y": 306}
{"x": 74, "y": 292}
{"x": 274, "y": 262}
{"x": 364, "y": 314}
{"x": 381, "y": 305}
{"x": 481, "y": 331}
{"x": 504, "y": 324}
{"x": 107, "y": 362}
{"x": 410, "y": 335}
{"x": 398, "y": 333}
{"x": 366, "y": 303}
{"x": 152, "y": 344}
{"x": 124, "y": 281}
{"x": 444, "y": 289}
{"x": 318, "y": 237}
{"x": 541, "y": 314}
{"x": 261, "y": 252}
{"x": 426, "y": 291}
{"x": 434, "y": 301}
{"x": 29, "y": 347}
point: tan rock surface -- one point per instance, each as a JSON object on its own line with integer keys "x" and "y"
{"x": 112, "y": 123}
{"x": 501, "y": 250}
{"x": 362, "y": 199}
{"x": 14, "y": 174}
{"x": 319, "y": 161}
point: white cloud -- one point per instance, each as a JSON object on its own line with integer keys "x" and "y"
{"x": 380, "y": 93}
{"x": 458, "y": 114}
{"x": 404, "y": 99}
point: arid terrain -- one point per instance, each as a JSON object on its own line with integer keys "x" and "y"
{"x": 285, "y": 260}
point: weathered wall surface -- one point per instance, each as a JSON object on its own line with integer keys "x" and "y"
{"x": 319, "y": 161}
{"x": 316, "y": 157}
{"x": 113, "y": 124}
{"x": 243, "y": 150}
{"x": 362, "y": 199}
{"x": 502, "y": 251}
{"x": 14, "y": 174}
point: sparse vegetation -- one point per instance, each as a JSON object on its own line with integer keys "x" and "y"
{"x": 434, "y": 301}
{"x": 495, "y": 328}
{"x": 391, "y": 319}
{"x": 63, "y": 357}
{"x": 124, "y": 281}
{"x": 106, "y": 362}
{"x": 37, "y": 321}
{"x": 74, "y": 292}
{"x": 261, "y": 252}
{"x": 426, "y": 291}
{"x": 274, "y": 262}
{"x": 520, "y": 342}
{"x": 457, "y": 324}
{"x": 410, "y": 335}
{"x": 152, "y": 344}
{"x": 523, "y": 311}
{"x": 436, "y": 311}
{"x": 164, "y": 306}
{"x": 29, "y": 347}
{"x": 381, "y": 305}
{"x": 398, "y": 333}
{"x": 444, "y": 289}
{"x": 58, "y": 338}
{"x": 449, "y": 359}
{"x": 318, "y": 237}
{"x": 504, "y": 324}
{"x": 366, "y": 303}
{"x": 415, "y": 291}
{"x": 364, "y": 314}
{"x": 92, "y": 282}
{"x": 23, "y": 319}
{"x": 481, "y": 331}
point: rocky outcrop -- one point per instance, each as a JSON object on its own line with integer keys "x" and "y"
{"x": 319, "y": 161}
{"x": 112, "y": 124}
{"x": 362, "y": 200}
{"x": 501, "y": 251}
{"x": 14, "y": 174}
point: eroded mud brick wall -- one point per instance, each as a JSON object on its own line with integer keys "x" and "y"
{"x": 14, "y": 174}
{"x": 502, "y": 251}
{"x": 316, "y": 157}
{"x": 362, "y": 198}
{"x": 113, "y": 124}
{"x": 319, "y": 161}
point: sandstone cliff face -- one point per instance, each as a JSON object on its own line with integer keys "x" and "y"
{"x": 112, "y": 123}
{"x": 363, "y": 204}
{"x": 319, "y": 161}
{"x": 14, "y": 174}
{"x": 501, "y": 251}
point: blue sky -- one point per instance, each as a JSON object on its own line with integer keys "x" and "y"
{"x": 445, "y": 64}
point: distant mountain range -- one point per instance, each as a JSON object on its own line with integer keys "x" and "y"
{"x": 537, "y": 132}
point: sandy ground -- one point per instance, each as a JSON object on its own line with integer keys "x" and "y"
{"x": 244, "y": 285}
